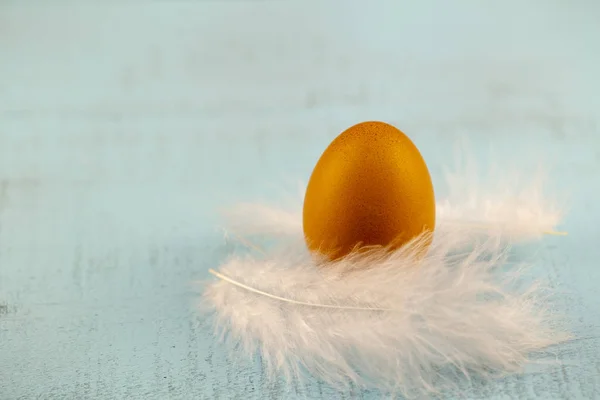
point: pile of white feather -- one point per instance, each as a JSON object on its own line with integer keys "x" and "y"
{"x": 399, "y": 322}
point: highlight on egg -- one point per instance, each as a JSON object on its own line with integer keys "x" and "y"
{"x": 335, "y": 297}
{"x": 371, "y": 187}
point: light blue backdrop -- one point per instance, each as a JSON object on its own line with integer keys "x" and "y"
{"x": 123, "y": 127}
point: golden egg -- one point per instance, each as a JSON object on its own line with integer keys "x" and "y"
{"x": 371, "y": 187}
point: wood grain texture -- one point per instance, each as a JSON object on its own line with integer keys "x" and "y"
{"x": 123, "y": 128}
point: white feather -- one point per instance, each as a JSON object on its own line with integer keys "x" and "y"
{"x": 396, "y": 321}
{"x": 388, "y": 320}
{"x": 259, "y": 219}
{"x": 499, "y": 204}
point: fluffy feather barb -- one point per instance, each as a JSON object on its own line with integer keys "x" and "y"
{"x": 388, "y": 320}
{"x": 501, "y": 205}
{"x": 396, "y": 321}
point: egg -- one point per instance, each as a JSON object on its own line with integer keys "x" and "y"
{"x": 370, "y": 187}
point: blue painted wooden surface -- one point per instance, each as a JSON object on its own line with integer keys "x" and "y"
{"x": 123, "y": 127}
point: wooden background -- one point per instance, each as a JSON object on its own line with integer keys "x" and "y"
{"x": 123, "y": 127}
